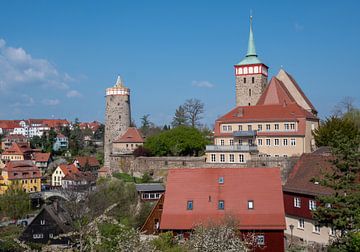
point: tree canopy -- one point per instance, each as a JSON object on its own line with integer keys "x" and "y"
{"x": 180, "y": 141}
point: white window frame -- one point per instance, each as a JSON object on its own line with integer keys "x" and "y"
{"x": 297, "y": 202}
{"x": 293, "y": 141}
{"x": 268, "y": 142}
{"x": 231, "y": 141}
{"x": 277, "y": 126}
{"x": 285, "y": 142}
{"x": 268, "y": 127}
{"x": 312, "y": 205}
{"x": 222, "y": 158}
{"x": 259, "y": 127}
{"x": 260, "y": 142}
{"x": 260, "y": 239}
{"x": 241, "y": 158}
{"x": 286, "y": 126}
{"x": 276, "y": 142}
{"x": 301, "y": 223}
{"x": 222, "y": 142}
{"x": 231, "y": 158}
{"x": 316, "y": 229}
{"x": 213, "y": 157}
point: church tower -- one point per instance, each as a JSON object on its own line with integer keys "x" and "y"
{"x": 117, "y": 116}
{"x": 251, "y": 75}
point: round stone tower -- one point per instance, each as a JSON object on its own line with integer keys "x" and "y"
{"x": 117, "y": 116}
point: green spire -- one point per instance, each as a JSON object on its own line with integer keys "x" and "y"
{"x": 251, "y": 46}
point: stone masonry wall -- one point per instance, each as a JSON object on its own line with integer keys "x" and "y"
{"x": 158, "y": 166}
{"x": 242, "y": 89}
{"x": 117, "y": 121}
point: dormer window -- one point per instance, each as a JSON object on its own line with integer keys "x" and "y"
{"x": 221, "y": 180}
{"x": 250, "y": 204}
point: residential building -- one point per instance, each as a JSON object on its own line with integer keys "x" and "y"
{"x": 87, "y": 163}
{"x": 152, "y": 223}
{"x": 252, "y": 196}
{"x": 8, "y": 140}
{"x": 61, "y": 171}
{"x": 41, "y": 160}
{"x": 46, "y": 228}
{"x": 17, "y": 151}
{"x": 93, "y": 126}
{"x": 128, "y": 142}
{"x": 21, "y": 174}
{"x": 150, "y": 191}
{"x": 78, "y": 181}
{"x": 61, "y": 143}
{"x": 300, "y": 192}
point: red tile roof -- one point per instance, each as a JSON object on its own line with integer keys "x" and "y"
{"x": 262, "y": 185}
{"x": 9, "y": 124}
{"x": 308, "y": 167}
{"x": 17, "y": 149}
{"x": 275, "y": 93}
{"x": 67, "y": 169}
{"x": 80, "y": 176}
{"x": 132, "y": 135}
{"x": 17, "y": 137}
{"x": 91, "y": 161}
{"x": 22, "y": 170}
{"x": 41, "y": 157}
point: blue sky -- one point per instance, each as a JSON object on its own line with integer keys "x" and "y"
{"x": 57, "y": 57}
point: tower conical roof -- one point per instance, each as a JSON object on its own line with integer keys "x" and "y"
{"x": 251, "y": 56}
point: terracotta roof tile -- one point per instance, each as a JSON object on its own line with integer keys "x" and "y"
{"x": 22, "y": 170}
{"x": 262, "y": 185}
{"x": 132, "y": 135}
{"x": 67, "y": 169}
{"x": 41, "y": 157}
{"x": 308, "y": 167}
{"x": 91, "y": 161}
{"x": 80, "y": 176}
{"x": 275, "y": 93}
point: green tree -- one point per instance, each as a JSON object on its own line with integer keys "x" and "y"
{"x": 36, "y": 142}
{"x": 325, "y": 133}
{"x": 180, "y": 141}
{"x": 76, "y": 140}
{"x": 65, "y": 130}
{"x": 99, "y": 133}
{"x": 341, "y": 209}
{"x": 353, "y": 115}
{"x": 145, "y": 124}
{"x": 180, "y": 118}
{"x": 15, "y": 203}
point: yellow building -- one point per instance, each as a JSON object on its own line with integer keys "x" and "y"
{"x": 17, "y": 151}
{"x": 21, "y": 173}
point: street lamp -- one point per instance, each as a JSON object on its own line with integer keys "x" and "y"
{"x": 291, "y": 236}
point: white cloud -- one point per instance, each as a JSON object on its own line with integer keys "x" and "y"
{"x": 73, "y": 93}
{"x": 19, "y": 68}
{"x": 298, "y": 27}
{"x": 23, "y": 100}
{"x": 51, "y": 102}
{"x": 202, "y": 84}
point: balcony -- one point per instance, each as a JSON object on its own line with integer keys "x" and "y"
{"x": 248, "y": 133}
{"x": 239, "y": 148}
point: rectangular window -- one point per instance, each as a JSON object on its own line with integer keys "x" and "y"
{"x": 276, "y": 142}
{"x": 312, "y": 205}
{"x": 276, "y": 126}
{"x": 292, "y": 126}
{"x": 260, "y": 142}
{"x": 253, "y": 80}
{"x": 297, "y": 202}
{"x": 221, "y": 205}
{"x": 213, "y": 158}
{"x": 249, "y": 127}
{"x": 332, "y": 231}
{"x": 285, "y": 142}
{"x": 241, "y": 158}
{"x": 231, "y": 141}
{"x": 221, "y": 180}
{"x": 231, "y": 158}
{"x": 286, "y": 126}
{"x": 240, "y": 141}
{"x": 301, "y": 224}
{"x": 260, "y": 240}
{"x": 224, "y": 128}
{"x": 316, "y": 229}
{"x": 250, "y": 142}
{"x": 189, "y": 205}
{"x": 222, "y": 142}
{"x": 292, "y": 141}
{"x": 245, "y": 78}
{"x": 222, "y": 158}
{"x": 240, "y": 127}
{"x": 259, "y": 127}
{"x": 267, "y": 127}
{"x": 250, "y": 204}
{"x": 268, "y": 142}
{"x": 229, "y": 128}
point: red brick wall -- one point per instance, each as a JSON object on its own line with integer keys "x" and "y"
{"x": 290, "y": 209}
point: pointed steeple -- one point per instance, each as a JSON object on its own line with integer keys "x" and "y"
{"x": 251, "y": 46}
{"x": 119, "y": 82}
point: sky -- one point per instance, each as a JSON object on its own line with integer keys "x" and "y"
{"x": 58, "y": 57}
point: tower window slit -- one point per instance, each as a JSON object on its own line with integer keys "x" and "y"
{"x": 244, "y": 80}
